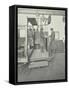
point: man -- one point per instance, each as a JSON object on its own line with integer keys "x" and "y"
{"x": 52, "y": 43}
{"x": 30, "y": 38}
{"x": 42, "y": 39}
{"x": 37, "y": 38}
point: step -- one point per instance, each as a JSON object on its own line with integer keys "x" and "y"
{"x": 42, "y": 58}
{"x": 38, "y": 64}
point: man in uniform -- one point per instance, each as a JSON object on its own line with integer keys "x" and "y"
{"x": 42, "y": 39}
{"x": 52, "y": 43}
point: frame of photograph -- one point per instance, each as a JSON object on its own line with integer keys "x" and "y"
{"x": 13, "y": 43}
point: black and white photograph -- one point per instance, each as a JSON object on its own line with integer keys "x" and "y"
{"x": 41, "y": 44}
